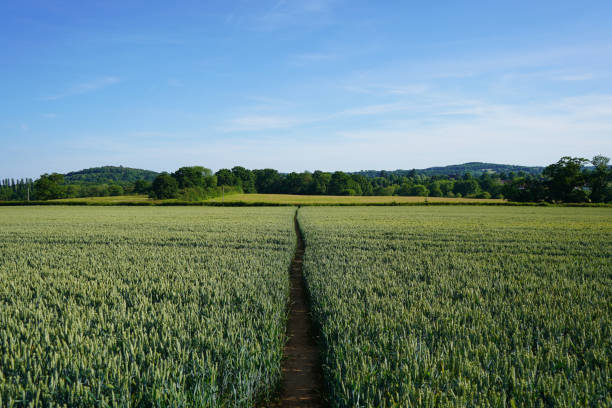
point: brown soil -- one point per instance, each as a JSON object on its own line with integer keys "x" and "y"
{"x": 302, "y": 382}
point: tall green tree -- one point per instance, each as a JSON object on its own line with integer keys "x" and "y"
{"x": 266, "y": 180}
{"x": 419, "y": 190}
{"x": 599, "y": 179}
{"x": 342, "y": 184}
{"x": 142, "y": 186}
{"x": 165, "y": 186}
{"x": 194, "y": 176}
{"x": 565, "y": 180}
{"x": 466, "y": 187}
{"x": 245, "y": 179}
{"x": 364, "y": 184}
{"x": 49, "y": 186}
{"x": 225, "y": 177}
{"x": 320, "y": 182}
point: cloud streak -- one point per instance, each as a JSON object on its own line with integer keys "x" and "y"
{"x": 254, "y": 123}
{"x": 84, "y": 88}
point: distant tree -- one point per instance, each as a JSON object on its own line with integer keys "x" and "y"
{"x": 385, "y": 191}
{"x": 97, "y": 190}
{"x": 165, "y": 186}
{"x": 342, "y": 184}
{"x": 297, "y": 183}
{"x": 525, "y": 189}
{"x": 245, "y": 179}
{"x": 419, "y": 190}
{"x": 466, "y": 187}
{"x": 404, "y": 189}
{"x": 490, "y": 184}
{"x": 108, "y": 174}
{"x": 73, "y": 190}
{"x": 194, "y": 176}
{"x": 320, "y": 183}
{"x": 115, "y": 190}
{"x": 225, "y": 177}
{"x": 364, "y": 184}
{"x": 142, "y": 186}
{"x": 266, "y": 180}
{"x": 447, "y": 187}
{"x": 49, "y": 186}
{"x": 599, "y": 179}
{"x": 434, "y": 189}
{"x": 565, "y": 180}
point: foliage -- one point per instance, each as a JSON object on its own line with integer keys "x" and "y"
{"x": 490, "y": 181}
{"x": 49, "y": 186}
{"x": 164, "y": 186}
{"x": 600, "y": 179}
{"x": 109, "y": 175}
{"x": 565, "y": 180}
{"x": 142, "y": 186}
{"x": 568, "y": 180}
{"x": 457, "y": 170}
{"x": 195, "y": 176}
{"x": 245, "y": 179}
{"x": 146, "y": 307}
{"x": 195, "y": 183}
{"x": 11, "y": 189}
{"x": 462, "y": 306}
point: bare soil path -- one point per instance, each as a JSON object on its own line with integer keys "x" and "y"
{"x": 302, "y": 383}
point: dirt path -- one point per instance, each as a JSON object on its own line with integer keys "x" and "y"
{"x": 302, "y": 376}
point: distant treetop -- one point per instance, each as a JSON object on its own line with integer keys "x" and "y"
{"x": 109, "y": 174}
{"x": 474, "y": 168}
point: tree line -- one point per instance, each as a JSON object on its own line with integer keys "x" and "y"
{"x": 568, "y": 180}
{"x": 571, "y": 179}
{"x": 11, "y": 189}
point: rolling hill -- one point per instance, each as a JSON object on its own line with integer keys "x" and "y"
{"x": 108, "y": 174}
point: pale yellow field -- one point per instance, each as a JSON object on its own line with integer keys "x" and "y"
{"x": 286, "y": 199}
{"x": 314, "y": 199}
{"x": 109, "y": 199}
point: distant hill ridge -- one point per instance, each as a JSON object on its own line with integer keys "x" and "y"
{"x": 120, "y": 174}
{"x": 475, "y": 168}
{"x": 108, "y": 174}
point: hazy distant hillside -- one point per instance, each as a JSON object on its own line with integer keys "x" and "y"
{"x": 108, "y": 174}
{"x": 475, "y": 168}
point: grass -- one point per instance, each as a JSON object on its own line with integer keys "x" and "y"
{"x": 291, "y": 199}
{"x": 417, "y": 306}
{"x": 134, "y": 198}
{"x": 147, "y": 306}
{"x": 458, "y": 306}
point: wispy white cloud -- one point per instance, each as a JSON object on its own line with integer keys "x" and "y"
{"x": 84, "y": 87}
{"x": 510, "y": 133}
{"x": 373, "y": 109}
{"x": 312, "y": 58}
{"x": 387, "y": 89}
{"x": 534, "y": 134}
{"x": 254, "y": 123}
{"x": 286, "y": 14}
{"x": 49, "y": 115}
{"x": 574, "y": 77}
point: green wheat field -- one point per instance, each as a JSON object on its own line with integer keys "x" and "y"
{"x": 445, "y": 306}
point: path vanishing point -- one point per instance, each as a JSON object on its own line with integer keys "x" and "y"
{"x": 302, "y": 383}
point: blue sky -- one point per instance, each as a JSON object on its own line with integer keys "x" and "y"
{"x": 298, "y": 85}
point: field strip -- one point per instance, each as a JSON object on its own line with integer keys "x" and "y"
{"x": 302, "y": 374}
